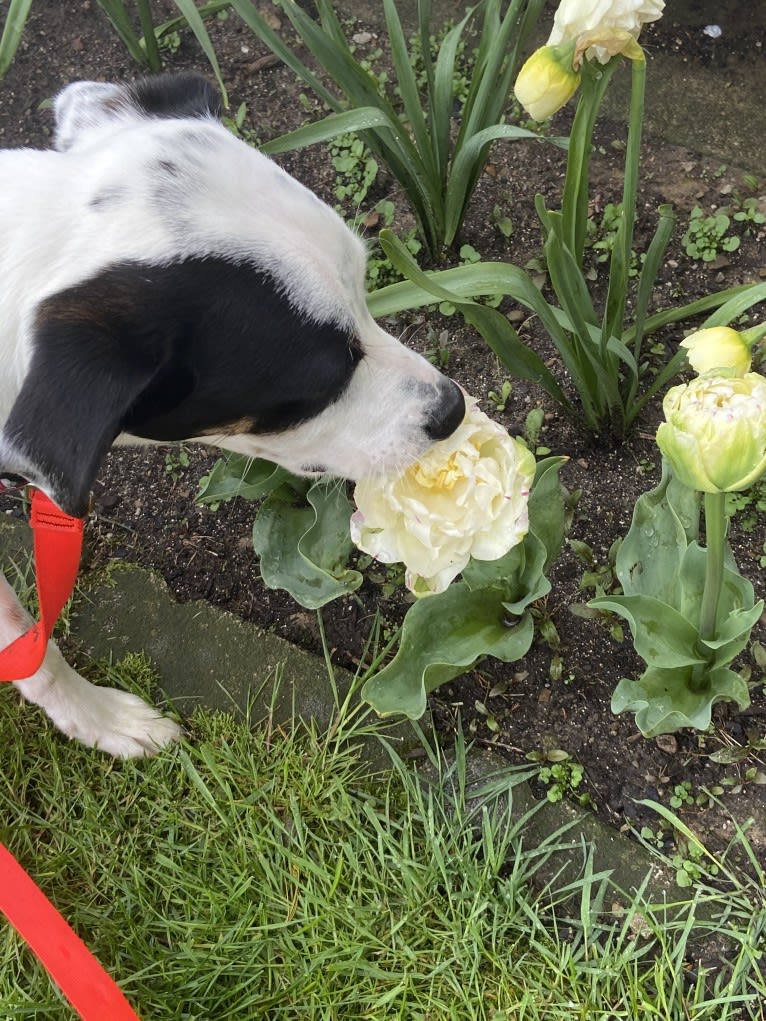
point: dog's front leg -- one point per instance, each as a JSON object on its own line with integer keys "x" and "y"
{"x": 113, "y": 721}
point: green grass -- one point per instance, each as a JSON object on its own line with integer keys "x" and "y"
{"x": 264, "y": 874}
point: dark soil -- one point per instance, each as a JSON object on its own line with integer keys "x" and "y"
{"x": 144, "y": 499}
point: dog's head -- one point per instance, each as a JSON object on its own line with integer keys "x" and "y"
{"x": 193, "y": 290}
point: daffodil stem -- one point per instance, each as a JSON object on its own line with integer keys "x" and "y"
{"x": 715, "y": 533}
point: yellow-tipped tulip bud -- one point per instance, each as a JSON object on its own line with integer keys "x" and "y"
{"x": 547, "y": 81}
{"x": 719, "y": 350}
{"x": 714, "y": 435}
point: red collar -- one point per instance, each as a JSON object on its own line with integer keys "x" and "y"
{"x": 58, "y": 545}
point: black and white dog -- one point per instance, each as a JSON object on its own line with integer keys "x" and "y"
{"x": 160, "y": 280}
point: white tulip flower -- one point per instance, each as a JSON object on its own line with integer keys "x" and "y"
{"x": 467, "y": 497}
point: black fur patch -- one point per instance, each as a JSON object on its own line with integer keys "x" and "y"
{"x": 166, "y": 353}
{"x": 186, "y": 94}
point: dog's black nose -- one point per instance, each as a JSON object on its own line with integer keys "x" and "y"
{"x": 447, "y": 412}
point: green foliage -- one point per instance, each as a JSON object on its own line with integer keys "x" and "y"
{"x": 562, "y": 780}
{"x": 254, "y": 874}
{"x": 602, "y": 237}
{"x": 747, "y": 505}
{"x": 707, "y": 236}
{"x": 602, "y": 353}
{"x": 409, "y": 126}
{"x": 749, "y": 215}
{"x": 301, "y": 530}
{"x": 356, "y": 169}
{"x": 500, "y": 397}
{"x": 176, "y": 462}
{"x": 487, "y": 613}
{"x": 560, "y": 775}
{"x": 142, "y": 44}
{"x": 663, "y": 573}
{"x": 301, "y": 534}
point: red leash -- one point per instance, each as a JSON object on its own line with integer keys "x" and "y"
{"x": 58, "y": 545}
{"x": 92, "y": 993}
{"x": 90, "y": 990}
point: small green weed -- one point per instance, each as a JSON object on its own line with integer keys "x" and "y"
{"x": 747, "y": 506}
{"x": 438, "y": 352}
{"x": 499, "y": 398}
{"x": 237, "y": 125}
{"x": 356, "y": 170}
{"x": 502, "y": 221}
{"x": 750, "y": 216}
{"x": 533, "y": 427}
{"x": 707, "y": 236}
{"x": 176, "y": 462}
{"x": 602, "y": 236}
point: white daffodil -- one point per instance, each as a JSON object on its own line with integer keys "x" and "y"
{"x": 602, "y": 28}
{"x": 466, "y": 497}
{"x": 590, "y": 29}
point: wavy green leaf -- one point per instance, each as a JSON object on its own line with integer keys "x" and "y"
{"x": 303, "y": 549}
{"x": 238, "y": 475}
{"x": 662, "y": 636}
{"x": 442, "y": 637}
{"x": 663, "y": 701}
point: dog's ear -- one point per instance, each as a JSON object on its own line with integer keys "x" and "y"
{"x": 82, "y": 106}
{"x": 80, "y": 386}
{"x": 187, "y": 94}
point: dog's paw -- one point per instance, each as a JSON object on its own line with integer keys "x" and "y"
{"x": 113, "y": 721}
{"x": 125, "y": 726}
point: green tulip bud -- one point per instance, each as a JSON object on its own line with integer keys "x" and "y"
{"x": 714, "y": 435}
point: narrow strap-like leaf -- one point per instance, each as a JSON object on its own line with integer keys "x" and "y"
{"x": 117, "y": 13}
{"x": 194, "y": 19}
{"x": 15, "y": 19}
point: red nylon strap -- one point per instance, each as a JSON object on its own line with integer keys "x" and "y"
{"x": 92, "y": 993}
{"x": 58, "y": 545}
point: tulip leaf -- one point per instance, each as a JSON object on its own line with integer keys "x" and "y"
{"x": 662, "y": 636}
{"x": 442, "y": 637}
{"x": 665, "y": 519}
{"x": 303, "y": 548}
{"x": 546, "y": 508}
{"x": 733, "y": 633}
{"x": 736, "y": 592}
{"x": 664, "y": 702}
{"x": 237, "y": 475}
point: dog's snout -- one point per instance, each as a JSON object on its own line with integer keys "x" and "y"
{"x": 447, "y": 411}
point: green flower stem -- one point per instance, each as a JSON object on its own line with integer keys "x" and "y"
{"x": 574, "y": 203}
{"x": 619, "y": 271}
{"x": 715, "y": 532}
